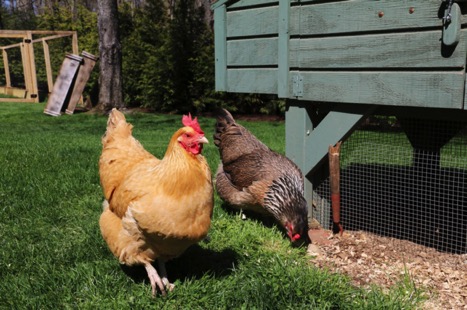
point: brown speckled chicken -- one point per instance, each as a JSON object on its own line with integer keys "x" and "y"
{"x": 253, "y": 177}
{"x": 154, "y": 209}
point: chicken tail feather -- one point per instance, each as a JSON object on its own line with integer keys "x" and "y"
{"x": 225, "y": 120}
{"x": 116, "y": 124}
{"x": 115, "y": 117}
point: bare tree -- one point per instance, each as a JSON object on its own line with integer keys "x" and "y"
{"x": 110, "y": 58}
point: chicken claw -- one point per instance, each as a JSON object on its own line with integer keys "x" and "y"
{"x": 163, "y": 272}
{"x": 154, "y": 278}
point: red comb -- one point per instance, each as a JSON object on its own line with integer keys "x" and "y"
{"x": 193, "y": 123}
{"x": 296, "y": 237}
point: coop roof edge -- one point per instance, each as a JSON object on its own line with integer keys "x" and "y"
{"x": 219, "y": 3}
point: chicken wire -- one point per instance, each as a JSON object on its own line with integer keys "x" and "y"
{"x": 403, "y": 179}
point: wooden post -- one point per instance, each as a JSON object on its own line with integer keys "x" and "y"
{"x": 63, "y": 84}
{"x": 7, "y": 68}
{"x": 334, "y": 180}
{"x": 29, "y": 47}
{"x": 48, "y": 66}
{"x": 74, "y": 43}
{"x": 27, "y": 77}
{"x": 89, "y": 61}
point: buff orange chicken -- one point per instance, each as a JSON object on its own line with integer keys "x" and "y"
{"x": 154, "y": 209}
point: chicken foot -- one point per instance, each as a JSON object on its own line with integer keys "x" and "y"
{"x": 163, "y": 272}
{"x": 154, "y": 278}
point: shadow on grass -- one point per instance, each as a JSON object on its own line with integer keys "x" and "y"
{"x": 194, "y": 263}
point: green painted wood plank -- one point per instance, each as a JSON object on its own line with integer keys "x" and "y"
{"x": 283, "y": 49}
{"x": 420, "y": 50}
{"x": 220, "y": 48}
{"x": 363, "y": 16}
{"x": 395, "y": 50}
{"x": 247, "y": 3}
{"x": 252, "y": 52}
{"x": 241, "y": 3}
{"x": 260, "y": 81}
{"x": 253, "y": 22}
{"x": 436, "y": 89}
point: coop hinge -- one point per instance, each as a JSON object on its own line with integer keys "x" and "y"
{"x": 297, "y": 82}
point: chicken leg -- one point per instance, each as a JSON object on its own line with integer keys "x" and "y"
{"x": 163, "y": 272}
{"x": 155, "y": 279}
{"x": 162, "y": 282}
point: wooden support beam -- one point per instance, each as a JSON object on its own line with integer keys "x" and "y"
{"x": 74, "y": 43}
{"x": 12, "y": 34}
{"x": 283, "y": 50}
{"x": 6, "y": 68}
{"x": 34, "y": 94}
{"x": 25, "y": 63}
{"x": 220, "y": 51}
{"x": 297, "y": 124}
{"x": 58, "y": 36}
{"x": 48, "y": 66}
{"x": 16, "y": 100}
{"x": 23, "y": 33}
{"x": 13, "y": 91}
{"x": 337, "y": 125}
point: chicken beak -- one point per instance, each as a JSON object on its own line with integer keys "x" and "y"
{"x": 203, "y": 140}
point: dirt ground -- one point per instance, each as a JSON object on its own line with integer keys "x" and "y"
{"x": 370, "y": 259}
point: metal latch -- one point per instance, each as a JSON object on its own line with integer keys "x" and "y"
{"x": 447, "y": 13}
{"x": 451, "y": 23}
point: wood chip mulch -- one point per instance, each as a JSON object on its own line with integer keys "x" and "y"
{"x": 370, "y": 259}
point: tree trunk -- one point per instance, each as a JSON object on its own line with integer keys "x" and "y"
{"x": 25, "y": 5}
{"x": 110, "y": 57}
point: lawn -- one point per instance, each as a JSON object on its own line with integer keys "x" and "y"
{"x": 52, "y": 255}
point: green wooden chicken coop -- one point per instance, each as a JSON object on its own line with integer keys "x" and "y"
{"x": 341, "y": 65}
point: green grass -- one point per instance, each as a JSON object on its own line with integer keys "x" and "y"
{"x": 52, "y": 255}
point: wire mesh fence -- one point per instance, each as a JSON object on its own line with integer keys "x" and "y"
{"x": 404, "y": 178}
